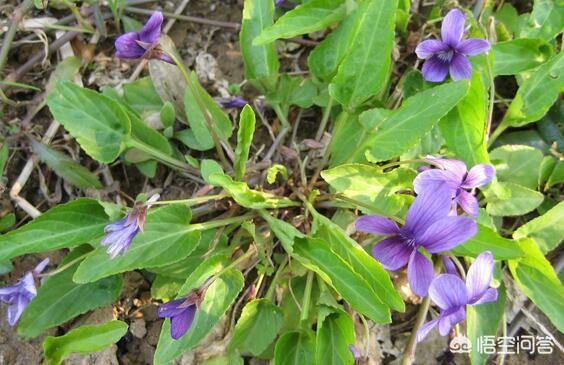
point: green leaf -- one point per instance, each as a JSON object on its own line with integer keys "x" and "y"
{"x": 484, "y": 320}
{"x": 335, "y": 333}
{"x": 141, "y": 132}
{"x": 66, "y": 69}
{"x": 309, "y": 17}
{"x": 66, "y": 167}
{"x": 7, "y": 221}
{"x": 488, "y": 240}
{"x": 165, "y": 288}
{"x": 167, "y": 114}
{"x": 516, "y": 200}
{"x": 370, "y": 185}
{"x": 208, "y": 168}
{"x": 536, "y": 94}
{"x": 98, "y": 123}
{"x": 167, "y": 237}
{"x": 257, "y": 327}
{"x": 545, "y": 20}
{"x": 246, "y": 196}
{"x": 284, "y": 231}
{"x": 557, "y": 175}
{"x": 85, "y": 339}
{"x": 536, "y": 278}
{"x": 400, "y": 130}
{"x": 295, "y": 348}
{"x": 464, "y": 127}
{"x": 275, "y": 170}
{"x": 4, "y": 154}
{"x": 244, "y": 140}
{"x": 365, "y": 69}
{"x": 141, "y": 96}
{"x": 547, "y": 230}
{"x": 518, "y": 55}
{"x": 60, "y": 299}
{"x": 261, "y": 62}
{"x": 197, "y": 120}
{"x": 66, "y": 225}
{"x": 316, "y": 255}
{"x": 219, "y": 296}
{"x": 517, "y": 164}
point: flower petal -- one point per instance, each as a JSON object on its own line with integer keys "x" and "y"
{"x": 448, "y": 292}
{"x": 127, "y": 47}
{"x": 449, "y": 266}
{"x": 41, "y": 266}
{"x": 181, "y": 323}
{"x": 430, "y": 47}
{"x": 479, "y": 276}
{"x": 467, "y": 202}
{"x": 460, "y": 67}
{"x": 427, "y": 208}
{"x": 433, "y": 178}
{"x": 479, "y": 175}
{"x": 473, "y": 46}
{"x": 7, "y": 293}
{"x": 151, "y": 31}
{"x": 420, "y": 273}
{"x": 454, "y": 166}
{"x": 426, "y": 328}
{"x": 434, "y": 69}
{"x": 170, "y": 309}
{"x": 447, "y": 233}
{"x": 489, "y": 296}
{"x": 16, "y": 309}
{"x": 392, "y": 253}
{"x": 376, "y": 224}
{"x": 448, "y": 321}
{"x": 452, "y": 28}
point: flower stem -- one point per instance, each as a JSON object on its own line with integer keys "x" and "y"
{"x": 65, "y": 266}
{"x": 207, "y": 117}
{"x": 369, "y": 207}
{"x": 271, "y": 289}
{"x": 160, "y": 156}
{"x": 192, "y": 201}
{"x": 397, "y": 163}
{"x": 324, "y": 119}
{"x": 307, "y": 296}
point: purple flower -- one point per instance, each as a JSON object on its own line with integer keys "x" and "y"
{"x": 120, "y": 234}
{"x": 284, "y": 4}
{"x": 232, "y": 102}
{"x": 144, "y": 43}
{"x": 456, "y": 176}
{"x": 451, "y": 53}
{"x": 428, "y": 226}
{"x": 181, "y": 313}
{"x": 452, "y": 295}
{"x": 19, "y": 295}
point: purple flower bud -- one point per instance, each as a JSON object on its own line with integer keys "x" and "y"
{"x": 19, "y": 295}
{"x": 455, "y": 175}
{"x": 145, "y": 43}
{"x": 181, "y": 313}
{"x": 120, "y": 234}
{"x": 427, "y": 225}
{"x": 449, "y": 55}
{"x": 452, "y": 295}
{"x": 232, "y": 102}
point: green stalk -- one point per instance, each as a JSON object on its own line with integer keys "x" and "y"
{"x": 192, "y": 201}
{"x": 307, "y": 297}
{"x": 159, "y": 155}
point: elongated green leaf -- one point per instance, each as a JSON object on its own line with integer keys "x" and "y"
{"x": 518, "y": 55}
{"x": 98, "y": 123}
{"x": 60, "y": 299}
{"x": 488, "y": 240}
{"x": 517, "y": 164}
{"x": 516, "y": 200}
{"x": 335, "y": 333}
{"x": 141, "y": 96}
{"x": 196, "y": 118}
{"x": 257, "y": 327}
{"x": 219, "y": 296}
{"x": 261, "y": 61}
{"x": 370, "y": 185}
{"x": 545, "y": 20}
{"x": 167, "y": 237}
{"x": 536, "y": 94}
{"x": 316, "y": 255}
{"x": 284, "y": 231}
{"x": 348, "y": 135}
{"x": 306, "y": 18}
{"x": 536, "y": 278}
{"x": 148, "y": 136}
{"x": 66, "y": 167}
{"x": 400, "y": 130}
{"x": 83, "y": 340}
{"x": 66, "y": 225}
{"x": 547, "y": 230}
{"x": 295, "y": 348}
{"x": 366, "y": 67}
{"x": 464, "y": 127}
{"x": 244, "y": 140}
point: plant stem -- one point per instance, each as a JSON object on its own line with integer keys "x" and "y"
{"x": 192, "y": 201}
{"x": 324, "y": 119}
{"x": 220, "y": 222}
{"x": 204, "y": 110}
{"x": 281, "y": 116}
{"x": 17, "y": 16}
{"x": 65, "y": 266}
{"x": 271, "y": 289}
{"x": 159, "y": 155}
{"x": 398, "y": 163}
{"x": 370, "y": 207}
{"x": 307, "y": 296}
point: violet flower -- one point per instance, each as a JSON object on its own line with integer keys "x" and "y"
{"x": 450, "y": 53}
{"x": 427, "y": 226}
{"x": 456, "y": 176}
{"x": 451, "y": 295}
{"x": 19, "y": 295}
{"x": 284, "y": 4}
{"x": 181, "y": 313}
{"x": 232, "y": 102}
{"x": 145, "y": 43}
{"x": 120, "y": 234}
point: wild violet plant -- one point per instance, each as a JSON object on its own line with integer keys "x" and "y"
{"x": 267, "y": 243}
